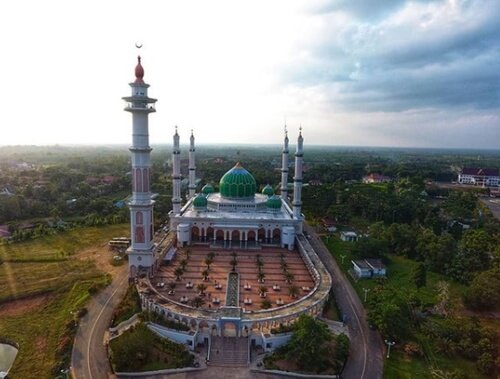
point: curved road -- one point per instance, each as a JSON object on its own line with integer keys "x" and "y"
{"x": 366, "y": 350}
{"x": 89, "y": 357}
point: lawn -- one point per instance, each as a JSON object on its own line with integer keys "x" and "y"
{"x": 399, "y": 275}
{"x": 38, "y": 322}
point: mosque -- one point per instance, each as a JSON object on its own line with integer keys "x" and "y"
{"x": 237, "y": 216}
{"x": 257, "y": 234}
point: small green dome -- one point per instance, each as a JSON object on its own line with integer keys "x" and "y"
{"x": 207, "y": 189}
{"x": 237, "y": 183}
{"x": 274, "y": 202}
{"x": 268, "y": 190}
{"x": 200, "y": 201}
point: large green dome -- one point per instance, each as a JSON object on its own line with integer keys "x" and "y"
{"x": 268, "y": 190}
{"x": 237, "y": 183}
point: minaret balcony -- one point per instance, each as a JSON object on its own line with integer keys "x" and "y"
{"x": 140, "y": 107}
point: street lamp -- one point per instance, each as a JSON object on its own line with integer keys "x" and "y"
{"x": 366, "y": 290}
{"x": 389, "y": 344}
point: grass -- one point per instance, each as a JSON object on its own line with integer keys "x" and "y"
{"x": 398, "y": 366}
{"x": 399, "y": 271}
{"x": 129, "y": 306}
{"x": 62, "y": 245}
{"x": 140, "y": 349}
{"x": 29, "y": 269}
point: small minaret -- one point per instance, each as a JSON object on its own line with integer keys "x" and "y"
{"x": 192, "y": 167}
{"x": 297, "y": 179}
{"x": 176, "y": 175}
{"x": 284, "y": 168}
{"x": 141, "y": 205}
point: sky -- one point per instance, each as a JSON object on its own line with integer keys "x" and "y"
{"x": 422, "y": 73}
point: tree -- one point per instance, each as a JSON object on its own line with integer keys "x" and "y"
{"x": 204, "y": 274}
{"x": 233, "y": 263}
{"x": 474, "y": 254}
{"x": 201, "y": 288}
{"x": 419, "y": 275}
{"x": 183, "y": 264}
{"x": 262, "y": 290}
{"x": 307, "y": 345}
{"x": 197, "y": 302}
{"x": 211, "y": 255}
{"x": 208, "y": 262}
{"x": 484, "y": 291}
{"x": 178, "y": 272}
{"x": 261, "y": 276}
{"x": 293, "y": 291}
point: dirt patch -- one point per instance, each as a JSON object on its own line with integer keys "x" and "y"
{"x": 102, "y": 256}
{"x": 41, "y": 344}
{"x": 21, "y": 306}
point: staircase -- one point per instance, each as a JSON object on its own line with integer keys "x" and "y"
{"x": 229, "y": 351}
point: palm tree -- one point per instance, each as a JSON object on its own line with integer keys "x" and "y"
{"x": 262, "y": 291}
{"x": 178, "y": 273}
{"x": 211, "y": 255}
{"x": 201, "y": 288}
{"x": 284, "y": 265}
{"x": 233, "y": 263}
{"x": 289, "y": 277}
{"x": 293, "y": 291}
{"x": 261, "y": 276}
{"x": 197, "y": 302}
{"x": 183, "y": 263}
{"x": 208, "y": 262}
{"x": 266, "y": 304}
{"x": 172, "y": 285}
{"x": 204, "y": 274}
{"x": 188, "y": 253}
{"x": 233, "y": 254}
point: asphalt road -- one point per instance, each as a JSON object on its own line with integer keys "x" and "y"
{"x": 366, "y": 348}
{"x": 89, "y": 358}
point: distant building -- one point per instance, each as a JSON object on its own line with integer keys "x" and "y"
{"x": 4, "y": 231}
{"x": 329, "y": 224}
{"x": 349, "y": 236}
{"x": 369, "y": 268}
{"x": 376, "y": 178}
{"x": 486, "y": 177}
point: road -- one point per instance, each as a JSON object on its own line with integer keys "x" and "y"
{"x": 493, "y": 204}
{"x": 366, "y": 349}
{"x": 89, "y": 359}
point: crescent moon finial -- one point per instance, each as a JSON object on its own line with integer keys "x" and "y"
{"x": 138, "y": 45}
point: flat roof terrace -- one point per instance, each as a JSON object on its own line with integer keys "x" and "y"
{"x": 286, "y": 277}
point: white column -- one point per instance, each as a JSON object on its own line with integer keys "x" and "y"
{"x": 192, "y": 167}
{"x": 176, "y": 175}
{"x": 297, "y": 179}
{"x": 284, "y": 168}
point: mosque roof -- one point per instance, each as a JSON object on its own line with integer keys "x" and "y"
{"x": 237, "y": 183}
{"x": 274, "y": 202}
{"x": 200, "y": 201}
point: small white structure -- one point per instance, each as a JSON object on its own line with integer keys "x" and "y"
{"x": 369, "y": 268}
{"x": 349, "y": 236}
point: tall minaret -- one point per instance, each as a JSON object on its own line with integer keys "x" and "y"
{"x": 192, "y": 167}
{"x": 176, "y": 175}
{"x": 297, "y": 179}
{"x": 141, "y": 205}
{"x": 284, "y": 168}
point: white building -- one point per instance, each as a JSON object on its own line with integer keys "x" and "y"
{"x": 488, "y": 177}
{"x": 237, "y": 216}
{"x": 348, "y": 236}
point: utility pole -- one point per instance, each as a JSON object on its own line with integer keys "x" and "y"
{"x": 366, "y": 290}
{"x": 389, "y": 344}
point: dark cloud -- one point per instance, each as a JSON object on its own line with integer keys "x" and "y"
{"x": 395, "y": 64}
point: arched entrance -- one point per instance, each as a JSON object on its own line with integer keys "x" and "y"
{"x": 219, "y": 236}
{"x": 195, "y": 234}
{"x": 276, "y": 236}
{"x": 230, "y": 329}
{"x": 209, "y": 233}
{"x": 261, "y": 234}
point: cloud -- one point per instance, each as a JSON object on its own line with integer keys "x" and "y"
{"x": 420, "y": 55}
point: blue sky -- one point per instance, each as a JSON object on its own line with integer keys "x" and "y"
{"x": 351, "y": 72}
